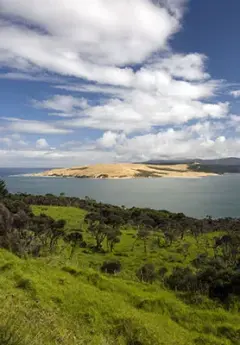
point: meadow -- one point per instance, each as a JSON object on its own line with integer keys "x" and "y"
{"x": 64, "y": 299}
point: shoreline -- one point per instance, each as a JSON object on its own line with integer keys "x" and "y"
{"x": 120, "y": 178}
{"x": 125, "y": 171}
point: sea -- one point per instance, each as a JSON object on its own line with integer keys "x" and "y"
{"x": 217, "y": 196}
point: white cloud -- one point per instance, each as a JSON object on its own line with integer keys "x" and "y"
{"x": 235, "y": 93}
{"x": 29, "y": 77}
{"x": 62, "y": 103}
{"x": 203, "y": 140}
{"x": 115, "y": 91}
{"x": 108, "y": 140}
{"x": 85, "y": 38}
{"x": 189, "y": 67}
{"x": 13, "y": 141}
{"x": 42, "y": 144}
{"x": 33, "y": 126}
{"x": 141, "y": 111}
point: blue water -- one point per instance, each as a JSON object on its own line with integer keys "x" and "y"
{"x": 6, "y": 172}
{"x": 218, "y": 196}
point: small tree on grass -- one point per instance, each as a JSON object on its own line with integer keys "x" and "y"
{"x": 143, "y": 234}
{"x": 99, "y": 232}
{"x": 113, "y": 237}
{"x": 56, "y": 232}
{"x": 75, "y": 239}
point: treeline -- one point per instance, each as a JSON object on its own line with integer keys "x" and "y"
{"x": 135, "y": 216}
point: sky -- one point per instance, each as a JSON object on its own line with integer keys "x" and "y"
{"x": 105, "y": 81}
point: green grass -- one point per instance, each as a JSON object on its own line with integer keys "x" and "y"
{"x": 54, "y": 300}
{"x": 74, "y": 216}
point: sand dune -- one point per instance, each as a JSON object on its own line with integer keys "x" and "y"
{"x": 125, "y": 170}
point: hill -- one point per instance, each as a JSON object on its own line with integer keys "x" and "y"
{"x": 218, "y": 161}
{"x": 215, "y": 166}
{"x": 107, "y": 275}
{"x": 125, "y": 170}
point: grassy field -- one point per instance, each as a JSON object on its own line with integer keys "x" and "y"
{"x": 57, "y": 300}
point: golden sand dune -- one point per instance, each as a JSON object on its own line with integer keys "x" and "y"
{"x": 125, "y": 170}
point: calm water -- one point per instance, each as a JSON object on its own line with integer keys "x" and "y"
{"x": 216, "y": 196}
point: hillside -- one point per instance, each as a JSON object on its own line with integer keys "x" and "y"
{"x": 58, "y": 301}
{"x": 125, "y": 170}
{"x": 97, "y": 274}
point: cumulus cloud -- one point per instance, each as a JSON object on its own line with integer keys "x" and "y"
{"x": 108, "y": 140}
{"x": 42, "y": 144}
{"x": 85, "y": 38}
{"x": 189, "y": 67}
{"x": 203, "y": 139}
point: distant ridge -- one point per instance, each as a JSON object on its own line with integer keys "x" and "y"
{"x": 232, "y": 161}
{"x": 217, "y": 166}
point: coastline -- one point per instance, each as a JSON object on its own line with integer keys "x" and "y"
{"x": 124, "y": 171}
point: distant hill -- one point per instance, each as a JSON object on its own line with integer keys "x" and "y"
{"x": 218, "y": 166}
{"x": 217, "y": 161}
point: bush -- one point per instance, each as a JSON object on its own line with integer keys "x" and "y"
{"x": 111, "y": 267}
{"x": 162, "y": 272}
{"x": 147, "y": 273}
{"x": 182, "y": 279}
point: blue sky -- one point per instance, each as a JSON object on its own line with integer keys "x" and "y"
{"x": 107, "y": 81}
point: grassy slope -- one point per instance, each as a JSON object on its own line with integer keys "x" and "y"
{"x": 54, "y": 300}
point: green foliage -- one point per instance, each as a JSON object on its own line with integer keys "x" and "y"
{"x": 3, "y": 189}
{"x": 111, "y": 267}
{"x": 147, "y": 273}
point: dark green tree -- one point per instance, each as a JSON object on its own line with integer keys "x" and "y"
{"x": 113, "y": 237}
{"x": 3, "y": 189}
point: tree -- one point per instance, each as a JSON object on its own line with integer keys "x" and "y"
{"x": 113, "y": 237}
{"x": 56, "y": 231}
{"x": 143, "y": 234}
{"x": 75, "y": 238}
{"x": 5, "y": 226}
{"x": 99, "y": 232}
{"x": 3, "y": 189}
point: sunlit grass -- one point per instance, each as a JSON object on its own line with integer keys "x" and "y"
{"x": 55, "y": 300}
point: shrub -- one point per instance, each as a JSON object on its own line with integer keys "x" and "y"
{"x": 182, "y": 279}
{"x": 162, "y": 272}
{"x": 147, "y": 273}
{"x": 111, "y": 267}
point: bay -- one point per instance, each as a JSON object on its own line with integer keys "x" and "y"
{"x": 218, "y": 196}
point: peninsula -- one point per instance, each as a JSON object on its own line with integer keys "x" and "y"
{"x": 126, "y": 170}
